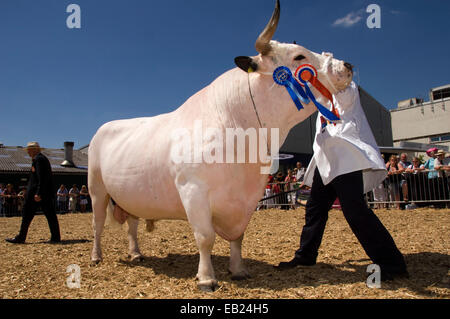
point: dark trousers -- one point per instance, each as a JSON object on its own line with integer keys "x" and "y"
{"x": 29, "y": 210}
{"x": 373, "y": 236}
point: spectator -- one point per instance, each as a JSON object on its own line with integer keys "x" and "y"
{"x": 61, "y": 200}
{"x": 74, "y": 193}
{"x": 439, "y": 165}
{"x": 394, "y": 169}
{"x": 415, "y": 180}
{"x": 300, "y": 172}
{"x": 403, "y": 182}
{"x": 9, "y": 202}
{"x": 415, "y": 167}
{"x": 431, "y": 186}
{"x": 21, "y": 199}
{"x": 83, "y": 198}
{"x": 277, "y": 189}
{"x": 2, "y": 189}
{"x": 429, "y": 164}
{"x": 289, "y": 186}
{"x": 268, "y": 193}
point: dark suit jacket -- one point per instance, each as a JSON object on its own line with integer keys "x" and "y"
{"x": 41, "y": 178}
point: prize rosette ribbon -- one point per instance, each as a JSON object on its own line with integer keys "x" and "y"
{"x": 283, "y": 76}
{"x": 304, "y": 74}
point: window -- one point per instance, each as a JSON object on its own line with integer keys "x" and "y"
{"x": 441, "y": 94}
{"x": 441, "y": 138}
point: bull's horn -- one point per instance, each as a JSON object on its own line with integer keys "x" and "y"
{"x": 262, "y": 44}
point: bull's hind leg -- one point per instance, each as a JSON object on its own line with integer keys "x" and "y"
{"x": 237, "y": 268}
{"x": 194, "y": 197}
{"x": 100, "y": 201}
{"x": 133, "y": 248}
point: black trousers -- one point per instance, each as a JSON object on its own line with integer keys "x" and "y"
{"x": 373, "y": 236}
{"x": 29, "y": 210}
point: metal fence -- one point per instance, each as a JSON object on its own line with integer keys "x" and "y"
{"x": 11, "y": 206}
{"x": 284, "y": 195}
{"x": 406, "y": 190}
{"x": 411, "y": 190}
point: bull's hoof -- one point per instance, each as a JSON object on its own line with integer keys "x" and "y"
{"x": 136, "y": 258}
{"x": 241, "y": 276}
{"x": 95, "y": 262}
{"x": 208, "y": 285}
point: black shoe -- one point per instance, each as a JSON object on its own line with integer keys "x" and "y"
{"x": 389, "y": 276}
{"x": 15, "y": 240}
{"x": 296, "y": 261}
{"x": 54, "y": 241}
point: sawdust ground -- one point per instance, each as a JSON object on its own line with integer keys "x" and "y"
{"x": 38, "y": 269}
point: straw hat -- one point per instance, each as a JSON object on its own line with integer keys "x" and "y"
{"x": 33, "y": 145}
{"x": 440, "y": 152}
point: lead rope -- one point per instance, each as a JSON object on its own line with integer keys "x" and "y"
{"x": 253, "y": 102}
{"x": 256, "y": 111}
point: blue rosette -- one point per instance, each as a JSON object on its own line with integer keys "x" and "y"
{"x": 283, "y": 77}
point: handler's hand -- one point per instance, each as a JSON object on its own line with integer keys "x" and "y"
{"x": 37, "y": 198}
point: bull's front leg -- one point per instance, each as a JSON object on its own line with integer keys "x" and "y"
{"x": 194, "y": 197}
{"x": 237, "y": 267}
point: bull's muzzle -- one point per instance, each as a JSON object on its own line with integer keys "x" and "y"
{"x": 348, "y": 66}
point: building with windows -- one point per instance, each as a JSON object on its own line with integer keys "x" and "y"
{"x": 417, "y": 123}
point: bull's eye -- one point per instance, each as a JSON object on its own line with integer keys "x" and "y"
{"x": 299, "y": 57}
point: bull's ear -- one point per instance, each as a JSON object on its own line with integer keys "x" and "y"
{"x": 246, "y": 64}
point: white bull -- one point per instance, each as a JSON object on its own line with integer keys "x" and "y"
{"x": 131, "y": 162}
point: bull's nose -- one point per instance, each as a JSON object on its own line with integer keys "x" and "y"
{"x": 348, "y": 66}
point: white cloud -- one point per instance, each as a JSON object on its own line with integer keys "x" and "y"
{"x": 349, "y": 20}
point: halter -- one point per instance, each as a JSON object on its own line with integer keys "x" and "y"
{"x": 298, "y": 88}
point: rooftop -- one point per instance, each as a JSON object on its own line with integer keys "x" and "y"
{"x": 16, "y": 159}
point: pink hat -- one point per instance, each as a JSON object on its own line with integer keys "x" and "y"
{"x": 433, "y": 149}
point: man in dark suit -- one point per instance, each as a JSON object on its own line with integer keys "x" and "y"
{"x": 40, "y": 192}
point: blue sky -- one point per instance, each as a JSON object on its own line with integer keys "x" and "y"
{"x": 134, "y": 58}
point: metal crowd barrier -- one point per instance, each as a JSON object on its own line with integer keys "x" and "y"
{"x": 406, "y": 190}
{"x": 411, "y": 190}
{"x": 13, "y": 207}
{"x": 284, "y": 195}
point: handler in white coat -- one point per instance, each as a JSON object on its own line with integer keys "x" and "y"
{"x": 346, "y": 164}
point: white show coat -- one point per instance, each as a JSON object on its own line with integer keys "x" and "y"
{"x": 347, "y": 147}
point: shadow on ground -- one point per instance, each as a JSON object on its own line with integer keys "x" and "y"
{"x": 426, "y": 270}
{"x": 67, "y": 242}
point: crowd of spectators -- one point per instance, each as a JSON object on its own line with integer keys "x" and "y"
{"x": 283, "y": 190}
{"x": 416, "y": 183}
{"x": 409, "y": 184}
{"x": 11, "y": 201}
